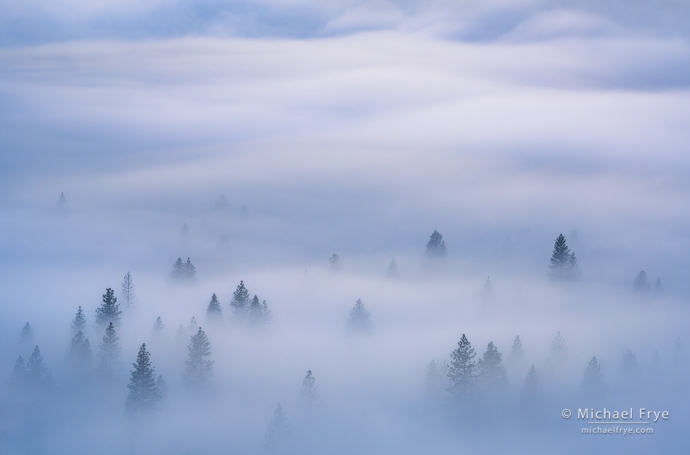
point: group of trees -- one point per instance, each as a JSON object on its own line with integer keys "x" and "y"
{"x": 183, "y": 272}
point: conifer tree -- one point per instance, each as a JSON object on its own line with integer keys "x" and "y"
{"x": 26, "y": 337}
{"x": 214, "y": 312}
{"x": 240, "y": 301}
{"x": 258, "y": 312}
{"x": 563, "y": 263}
{"x": 641, "y": 284}
{"x": 128, "y": 295}
{"x": 79, "y": 322}
{"x": 221, "y": 203}
{"x": 162, "y": 386}
{"x": 488, "y": 290}
{"x": 109, "y": 311}
{"x": 109, "y": 350}
{"x": 463, "y": 372}
{"x": 334, "y": 263}
{"x": 436, "y": 377}
{"x": 360, "y": 319}
{"x": 558, "y": 350}
{"x": 198, "y": 369}
{"x": 491, "y": 373}
{"x": 278, "y": 432}
{"x": 143, "y": 393}
{"x": 177, "y": 274}
{"x": 531, "y": 391}
{"x": 189, "y": 271}
{"x": 193, "y": 325}
{"x": 181, "y": 335}
{"x": 38, "y": 375}
{"x": 20, "y": 375}
{"x": 629, "y": 364}
{"x": 517, "y": 352}
{"x": 658, "y": 288}
{"x": 158, "y": 327}
{"x": 79, "y": 355}
{"x": 309, "y": 395}
{"x": 392, "y": 271}
{"x": 592, "y": 384}
{"x": 436, "y": 246}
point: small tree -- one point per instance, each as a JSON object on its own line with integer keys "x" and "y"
{"x": 26, "y": 337}
{"x": 79, "y": 322}
{"x": 360, "y": 319}
{"x": 177, "y": 273}
{"x": 143, "y": 393}
{"x": 309, "y": 395}
{"x": 214, "y": 312}
{"x": 20, "y": 375}
{"x": 593, "y": 385}
{"x": 79, "y": 355}
{"x": 109, "y": 311}
{"x": 109, "y": 350}
{"x": 531, "y": 391}
{"x": 563, "y": 263}
{"x": 488, "y": 290}
{"x": 258, "y": 312}
{"x": 517, "y": 352}
{"x": 334, "y": 262}
{"x": 436, "y": 246}
{"x": 641, "y": 284}
{"x": 240, "y": 301}
{"x": 38, "y": 375}
{"x": 278, "y": 431}
{"x": 193, "y": 325}
{"x": 199, "y": 369}
{"x": 491, "y": 373}
{"x": 658, "y": 288}
{"x": 558, "y": 350}
{"x": 128, "y": 295}
{"x": 392, "y": 271}
{"x": 189, "y": 271}
{"x": 183, "y": 272}
{"x": 162, "y": 386}
{"x": 463, "y": 372}
{"x": 629, "y": 364}
{"x": 158, "y": 327}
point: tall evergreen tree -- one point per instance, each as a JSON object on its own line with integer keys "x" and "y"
{"x": 38, "y": 374}
{"x": 79, "y": 354}
{"x": 183, "y": 272}
{"x": 531, "y": 391}
{"x": 109, "y": 311}
{"x": 278, "y": 432}
{"x": 629, "y": 365}
{"x": 563, "y": 263}
{"x": 181, "y": 335}
{"x": 309, "y": 395}
{"x": 198, "y": 369}
{"x": 491, "y": 373}
{"x": 26, "y": 337}
{"x": 79, "y": 322}
{"x": 436, "y": 246}
{"x": 334, "y": 263}
{"x": 658, "y": 288}
{"x": 143, "y": 393}
{"x": 129, "y": 297}
{"x": 488, "y": 290}
{"x": 162, "y": 386}
{"x": 641, "y": 284}
{"x": 436, "y": 377}
{"x": 177, "y": 273}
{"x": 20, "y": 375}
{"x": 109, "y": 350}
{"x": 258, "y": 312}
{"x": 214, "y": 312}
{"x": 189, "y": 271}
{"x": 517, "y": 352}
{"x": 558, "y": 350}
{"x": 240, "y": 301}
{"x": 392, "y": 271}
{"x": 463, "y": 372}
{"x": 193, "y": 325}
{"x": 360, "y": 319}
{"x": 592, "y": 384}
{"x": 158, "y": 327}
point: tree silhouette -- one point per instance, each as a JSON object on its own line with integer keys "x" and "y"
{"x": 198, "y": 369}
{"x": 278, "y": 432}
{"x": 563, "y": 263}
{"x": 143, "y": 392}
{"x": 128, "y": 295}
{"x": 214, "y": 313}
{"x": 240, "y": 301}
{"x": 38, "y": 374}
{"x": 79, "y": 322}
{"x": 463, "y": 372}
{"x": 309, "y": 395}
{"x": 641, "y": 284}
{"x": 359, "y": 320}
{"x": 109, "y": 350}
{"x": 109, "y": 310}
{"x": 436, "y": 246}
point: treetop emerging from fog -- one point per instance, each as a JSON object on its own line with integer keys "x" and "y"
{"x": 563, "y": 262}
{"x": 436, "y": 247}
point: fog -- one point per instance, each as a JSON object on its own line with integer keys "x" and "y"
{"x": 259, "y": 139}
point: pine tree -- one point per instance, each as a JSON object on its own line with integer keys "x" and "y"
{"x": 162, "y": 386}
{"x": 641, "y": 284}
{"x": 38, "y": 375}
{"x": 436, "y": 377}
{"x": 240, "y": 301}
{"x": 593, "y": 385}
{"x": 189, "y": 271}
{"x": 181, "y": 335}
{"x": 20, "y": 375}
{"x": 463, "y": 372}
{"x": 193, "y": 325}
{"x": 128, "y": 295}
{"x": 158, "y": 327}
{"x": 26, "y": 337}
{"x": 392, "y": 270}
{"x": 658, "y": 288}
{"x": 629, "y": 364}
{"x": 359, "y": 320}
{"x": 531, "y": 391}
{"x": 143, "y": 393}
{"x": 109, "y": 311}
{"x": 109, "y": 350}
{"x": 563, "y": 263}
{"x": 436, "y": 246}
{"x": 491, "y": 373}
{"x": 198, "y": 369}
{"x": 488, "y": 290}
{"x": 278, "y": 432}
{"x": 258, "y": 312}
{"x": 309, "y": 395}
{"x": 178, "y": 273}
{"x": 334, "y": 262}
{"x": 558, "y": 350}
{"x": 517, "y": 352}
{"x": 79, "y": 355}
{"x": 79, "y": 322}
{"x": 214, "y": 312}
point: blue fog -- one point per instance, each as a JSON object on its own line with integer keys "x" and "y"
{"x": 354, "y": 129}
